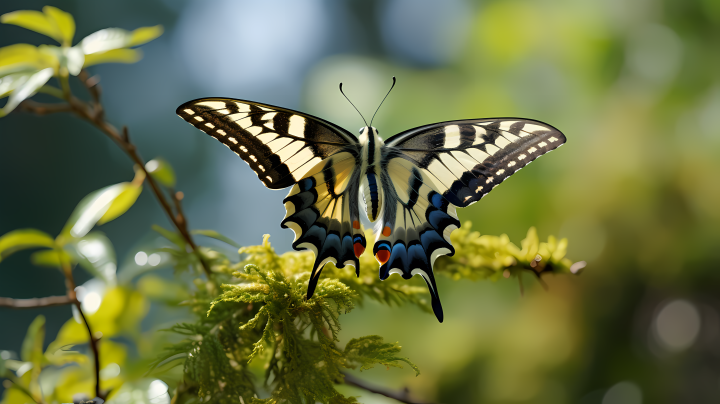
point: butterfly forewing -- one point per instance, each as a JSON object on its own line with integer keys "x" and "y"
{"x": 279, "y": 144}
{"x": 466, "y": 159}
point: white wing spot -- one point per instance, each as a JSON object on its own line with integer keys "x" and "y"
{"x": 189, "y": 111}
{"x": 243, "y": 149}
{"x": 466, "y": 198}
{"x": 492, "y": 149}
{"x": 553, "y": 139}
{"x": 529, "y": 127}
{"x": 232, "y": 139}
{"x": 209, "y": 125}
{"x": 542, "y": 144}
{"x": 221, "y": 132}
{"x": 213, "y": 104}
{"x": 500, "y": 171}
{"x": 242, "y": 107}
{"x": 489, "y": 180}
{"x": 512, "y": 164}
{"x": 268, "y": 177}
{"x": 253, "y": 158}
{"x": 479, "y": 188}
{"x": 261, "y": 168}
{"x": 270, "y": 125}
{"x": 506, "y": 125}
{"x": 223, "y": 111}
{"x": 521, "y": 157}
{"x": 297, "y": 126}
{"x": 452, "y": 137}
{"x": 532, "y": 150}
{"x": 199, "y": 119}
{"x": 254, "y": 130}
{"x": 501, "y": 142}
{"x": 268, "y": 116}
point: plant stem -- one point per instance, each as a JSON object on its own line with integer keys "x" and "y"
{"x": 49, "y": 301}
{"x": 70, "y": 285}
{"x": 401, "y": 396}
{"x": 94, "y": 113}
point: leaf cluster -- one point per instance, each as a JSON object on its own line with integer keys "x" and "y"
{"x": 491, "y": 257}
{"x": 25, "y": 69}
{"x": 263, "y": 315}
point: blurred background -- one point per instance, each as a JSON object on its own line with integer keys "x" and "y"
{"x": 635, "y": 86}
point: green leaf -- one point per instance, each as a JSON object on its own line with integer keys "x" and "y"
{"x": 49, "y": 258}
{"x": 64, "y": 23}
{"x": 172, "y": 236}
{"x": 11, "y": 82}
{"x": 24, "y": 58}
{"x": 17, "y": 240}
{"x": 144, "y": 35}
{"x": 32, "y": 346}
{"x": 127, "y": 197}
{"x": 159, "y": 289}
{"x": 113, "y": 56}
{"x": 372, "y": 350}
{"x": 217, "y": 236}
{"x": 95, "y": 253}
{"x": 34, "y": 21}
{"x": 93, "y": 207}
{"x": 27, "y": 89}
{"x": 117, "y": 38}
{"x": 162, "y": 171}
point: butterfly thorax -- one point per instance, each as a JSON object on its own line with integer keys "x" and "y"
{"x": 370, "y": 187}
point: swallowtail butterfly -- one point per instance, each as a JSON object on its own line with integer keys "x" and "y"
{"x": 409, "y": 185}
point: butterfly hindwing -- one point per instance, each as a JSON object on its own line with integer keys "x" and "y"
{"x": 415, "y": 227}
{"x": 280, "y": 145}
{"x": 323, "y": 211}
{"x": 466, "y": 159}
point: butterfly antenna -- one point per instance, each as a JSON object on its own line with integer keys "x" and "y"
{"x": 383, "y": 100}
{"x": 358, "y": 111}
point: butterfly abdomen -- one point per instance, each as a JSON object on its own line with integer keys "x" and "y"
{"x": 373, "y": 198}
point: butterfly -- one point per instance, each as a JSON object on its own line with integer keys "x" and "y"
{"x": 409, "y": 185}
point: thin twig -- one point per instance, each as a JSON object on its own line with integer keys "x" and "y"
{"x": 70, "y": 284}
{"x": 401, "y": 396}
{"x": 49, "y": 301}
{"x": 43, "y": 108}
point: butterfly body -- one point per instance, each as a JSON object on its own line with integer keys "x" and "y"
{"x": 408, "y": 185}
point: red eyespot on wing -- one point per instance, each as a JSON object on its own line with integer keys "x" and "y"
{"x": 356, "y": 224}
{"x": 386, "y": 231}
{"x": 382, "y": 256}
{"x": 359, "y": 249}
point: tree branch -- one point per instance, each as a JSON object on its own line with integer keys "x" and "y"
{"x": 94, "y": 113}
{"x": 401, "y": 396}
{"x": 49, "y": 301}
{"x": 70, "y": 285}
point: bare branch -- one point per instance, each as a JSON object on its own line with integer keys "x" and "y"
{"x": 39, "y": 108}
{"x": 401, "y": 396}
{"x": 49, "y": 301}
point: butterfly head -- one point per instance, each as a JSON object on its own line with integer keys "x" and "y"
{"x": 369, "y": 132}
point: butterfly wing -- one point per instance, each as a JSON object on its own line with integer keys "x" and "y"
{"x": 279, "y": 144}
{"x": 288, "y": 148}
{"x": 431, "y": 170}
{"x": 322, "y": 210}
